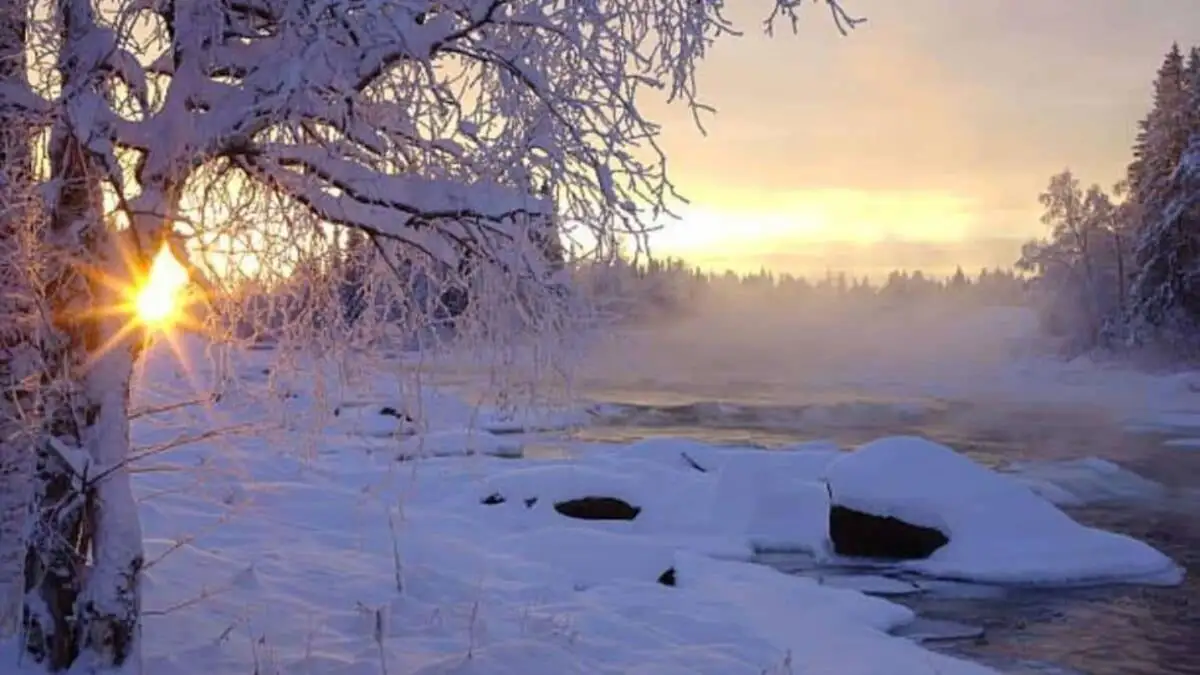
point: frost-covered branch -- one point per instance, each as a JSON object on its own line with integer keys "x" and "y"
{"x": 533, "y": 95}
{"x": 405, "y": 207}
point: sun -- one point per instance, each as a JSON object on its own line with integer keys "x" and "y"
{"x": 159, "y": 301}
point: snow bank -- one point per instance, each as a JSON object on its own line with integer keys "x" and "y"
{"x": 999, "y": 530}
{"x": 431, "y": 411}
{"x": 369, "y": 420}
{"x": 801, "y": 461}
{"x": 314, "y": 569}
{"x": 763, "y": 499}
{"x": 267, "y": 557}
{"x": 1164, "y": 421}
{"x": 1084, "y": 481}
{"x": 583, "y": 558}
{"x": 774, "y": 499}
{"x": 458, "y": 442}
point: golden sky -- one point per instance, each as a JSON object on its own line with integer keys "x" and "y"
{"x": 919, "y": 141}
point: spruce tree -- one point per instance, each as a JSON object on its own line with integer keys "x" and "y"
{"x": 1165, "y": 182}
{"x": 1192, "y": 83}
{"x": 1162, "y": 134}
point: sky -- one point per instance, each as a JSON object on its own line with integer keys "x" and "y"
{"x": 920, "y": 141}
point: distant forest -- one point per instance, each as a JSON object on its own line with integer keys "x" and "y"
{"x": 671, "y": 287}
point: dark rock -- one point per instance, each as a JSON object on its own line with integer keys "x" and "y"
{"x": 863, "y": 535}
{"x": 389, "y": 411}
{"x": 667, "y": 578}
{"x": 497, "y": 498}
{"x": 598, "y": 508}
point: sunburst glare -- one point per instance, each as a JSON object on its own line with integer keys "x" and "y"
{"x": 159, "y": 301}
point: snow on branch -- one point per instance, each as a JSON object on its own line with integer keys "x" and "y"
{"x": 396, "y": 206}
{"x": 22, "y": 98}
{"x": 311, "y": 96}
{"x": 90, "y": 59}
{"x": 844, "y": 21}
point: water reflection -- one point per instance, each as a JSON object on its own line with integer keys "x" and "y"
{"x": 1124, "y": 630}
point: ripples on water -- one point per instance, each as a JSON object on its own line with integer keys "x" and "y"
{"x": 1114, "y": 630}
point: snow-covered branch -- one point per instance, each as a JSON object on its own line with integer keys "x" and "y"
{"x": 532, "y": 94}
{"x": 401, "y": 206}
{"x": 22, "y": 98}
{"x": 527, "y": 93}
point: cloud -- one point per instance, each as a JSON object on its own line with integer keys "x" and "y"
{"x": 982, "y": 100}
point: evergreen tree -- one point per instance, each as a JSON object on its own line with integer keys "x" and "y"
{"x": 1167, "y": 288}
{"x": 1192, "y": 83}
{"x": 959, "y": 281}
{"x": 1162, "y": 134}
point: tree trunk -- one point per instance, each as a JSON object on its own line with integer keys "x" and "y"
{"x": 109, "y": 612}
{"x": 16, "y": 445}
{"x": 1121, "y": 281}
{"x": 84, "y": 558}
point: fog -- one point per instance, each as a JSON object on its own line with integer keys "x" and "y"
{"x": 758, "y": 349}
{"x": 756, "y": 346}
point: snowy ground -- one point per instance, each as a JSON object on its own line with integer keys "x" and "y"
{"x": 300, "y": 543}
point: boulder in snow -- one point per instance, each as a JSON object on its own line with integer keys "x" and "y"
{"x": 858, "y": 534}
{"x": 598, "y": 508}
{"x": 996, "y": 529}
{"x": 496, "y": 498}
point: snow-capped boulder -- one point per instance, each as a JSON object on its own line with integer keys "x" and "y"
{"x": 997, "y": 530}
{"x": 859, "y": 534}
{"x": 598, "y": 508}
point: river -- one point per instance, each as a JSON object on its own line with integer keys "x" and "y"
{"x": 972, "y": 379}
{"x": 1111, "y": 630}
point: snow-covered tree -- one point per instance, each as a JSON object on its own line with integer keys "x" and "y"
{"x": 449, "y": 127}
{"x": 1162, "y": 135}
{"x": 1161, "y": 141}
{"x": 1077, "y": 266}
{"x": 1166, "y": 291}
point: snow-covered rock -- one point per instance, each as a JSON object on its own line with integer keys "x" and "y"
{"x": 998, "y": 529}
